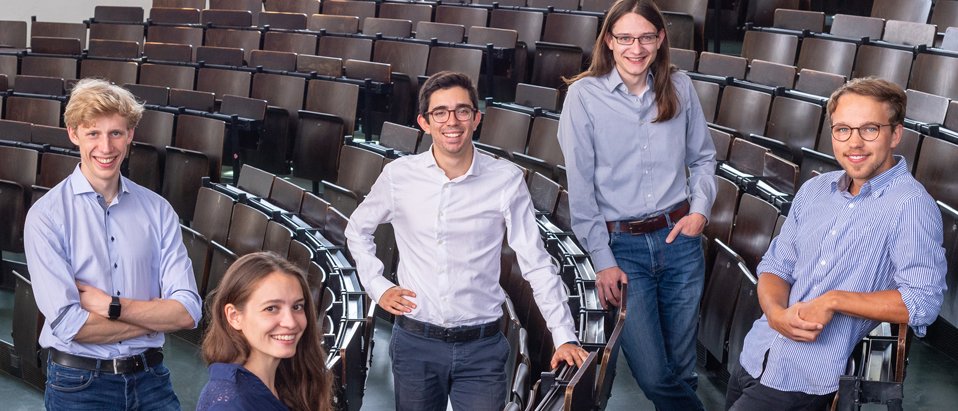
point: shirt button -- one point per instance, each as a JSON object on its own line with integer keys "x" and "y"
{"x": 823, "y": 262}
{"x": 114, "y": 265}
{"x": 815, "y": 287}
{"x": 833, "y": 232}
{"x": 645, "y": 147}
{"x": 112, "y": 239}
{"x": 851, "y": 206}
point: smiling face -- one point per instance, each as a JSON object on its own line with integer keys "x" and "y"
{"x": 633, "y": 61}
{"x": 272, "y": 320}
{"x": 863, "y": 160}
{"x": 452, "y": 138}
{"x": 103, "y": 144}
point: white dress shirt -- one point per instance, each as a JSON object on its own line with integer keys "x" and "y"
{"x": 449, "y": 234}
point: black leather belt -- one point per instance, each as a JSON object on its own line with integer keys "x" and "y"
{"x": 153, "y": 356}
{"x": 454, "y": 334}
{"x": 650, "y": 224}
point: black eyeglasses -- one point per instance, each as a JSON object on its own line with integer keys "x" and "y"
{"x": 463, "y": 113}
{"x": 627, "y": 40}
{"x": 868, "y": 131}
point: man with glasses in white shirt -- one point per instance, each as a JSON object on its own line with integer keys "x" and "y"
{"x": 450, "y": 208}
{"x": 861, "y": 245}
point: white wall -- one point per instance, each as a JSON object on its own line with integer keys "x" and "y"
{"x": 66, "y": 11}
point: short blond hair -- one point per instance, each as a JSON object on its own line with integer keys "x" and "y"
{"x": 95, "y": 98}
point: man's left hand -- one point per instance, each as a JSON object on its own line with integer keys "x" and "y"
{"x": 818, "y": 310}
{"x": 571, "y": 353}
{"x": 690, "y": 225}
{"x": 94, "y": 300}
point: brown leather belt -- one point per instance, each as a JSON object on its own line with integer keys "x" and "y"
{"x": 135, "y": 363}
{"x": 650, "y": 224}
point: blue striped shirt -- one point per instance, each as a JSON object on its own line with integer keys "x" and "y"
{"x": 887, "y": 237}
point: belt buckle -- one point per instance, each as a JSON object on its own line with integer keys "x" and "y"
{"x": 116, "y": 366}
{"x": 637, "y": 224}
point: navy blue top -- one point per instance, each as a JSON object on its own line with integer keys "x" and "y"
{"x": 232, "y": 387}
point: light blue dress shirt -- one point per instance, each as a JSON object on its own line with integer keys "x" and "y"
{"x": 888, "y": 237}
{"x": 132, "y": 248}
{"x": 622, "y": 166}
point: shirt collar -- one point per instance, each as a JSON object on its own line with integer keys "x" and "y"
{"x": 614, "y": 81}
{"x": 427, "y": 160}
{"x": 876, "y": 186}
{"x": 81, "y": 185}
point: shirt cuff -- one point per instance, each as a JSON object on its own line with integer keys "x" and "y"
{"x": 602, "y": 259}
{"x": 68, "y": 324}
{"x": 916, "y": 314}
{"x": 378, "y": 287}
{"x": 191, "y": 303}
{"x": 563, "y": 335}
{"x": 698, "y": 207}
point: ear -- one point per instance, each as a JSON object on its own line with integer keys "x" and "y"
{"x": 477, "y": 120}
{"x": 423, "y": 123}
{"x": 896, "y": 135}
{"x": 661, "y": 39}
{"x": 608, "y": 41}
{"x": 233, "y": 316}
{"x": 72, "y": 133}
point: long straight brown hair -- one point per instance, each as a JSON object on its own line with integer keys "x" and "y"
{"x": 302, "y": 382}
{"x": 666, "y": 99}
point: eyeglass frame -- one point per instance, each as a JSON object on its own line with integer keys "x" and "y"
{"x": 652, "y": 39}
{"x": 858, "y": 129}
{"x": 453, "y": 111}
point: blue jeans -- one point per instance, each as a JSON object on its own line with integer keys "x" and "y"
{"x": 427, "y": 373}
{"x": 665, "y": 286}
{"x": 75, "y": 389}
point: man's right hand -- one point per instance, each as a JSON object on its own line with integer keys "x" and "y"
{"x": 788, "y": 323}
{"x": 395, "y": 302}
{"x": 607, "y": 283}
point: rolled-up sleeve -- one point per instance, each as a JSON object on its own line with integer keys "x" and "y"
{"x": 919, "y": 261}
{"x": 176, "y": 270}
{"x": 51, "y": 275}
{"x": 575, "y": 138}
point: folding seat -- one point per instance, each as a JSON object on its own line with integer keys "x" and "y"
{"x": 933, "y": 73}
{"x": 506, "y": 3}
{"x": 466, "y": 16}
{"x": 543, "y": 153}
{"x": 747, "y": 310}
{"x": 148, "y": 154}
{"x": 466, "y": 61}
{"x": 346, "y": 47}
{"x": 63, "y": 65}
{"x": 27, "y": 321}
{"x": 358, "y": 170}
{"x": 286, "y": 194}
{"x": 507, "y": 73}
{"x": 718, "y": 300}
{"x": 926, "y": 107}
{"x": 51, "y": 135}
{"x": 504, "y": 131}
{"x": 781, "y": 174}
{"x": 760, "y": 13}
{"x": 816, "y": 162}
{"x": 708, "y": 93}
{"x": 772, "y": 74}
{"x": 444, "y": 32}
{"x": 221, "y": 82}
{"x": 168, "y": 52}
{"x": 33, "y": 110}
{"x": 283, "y": 20}
{"x": 8, "y": 67}
{"x": 307, "y": 7}
{"x": 572, "y": 5}
{"x": 361, "y": 9}
{"x": 252, "y": 6}
{"x": 520, "y": 385}
{"x": 608, "y": 359}
{"x": 247, "y": 40}
{"x": 747, "y": 157}
{"x": 212, "y": 214}
{"x": 301, "y": 256}
{"x": 333, "y": 23}
{"x": 774, "y": 47}
{"x": 62, "y": 30}
{"x": 190, "y": 4}
{"x": 273, "y": 60}
{"x": 122, "y": 32}
{"x": 744, "y": 110}
{"x": 13, "y": 34}
{"x": 277, "y": 238}
{"x": 118, "y": 14}
{"x": 18, "y": 172}
{"x": 204, "y": 135}
{"x": 723, "y": 211}
{"x": 722, "y": 65}
{"x": 684, "y": 59}
{"x": 55, "y": 167}
{"x": 425, "y": 144}
{"x": 414, "y": 12}
{"x": 408, "y": 62}
{"x": 565, "y": 43}
{"x": 221, "y": 258}
{"x": 255, "y": 181}
{"x": 915, "y": 11}
{"x": 335, "y": 227}
{"x": 936, "y": 169}
{"x": 830, "y": 56}
{"x": 299, "y": 43}
{"x": 330, "y": 115}
{"x": 226, "y": 18}
{"x": 247, "y": 230}
{"x": 387, "y": 27}
{"x": 575, "y": 29}
{"x": 174, "y": 16}
{"x": 799, "y": 20}
{"x": 314, "y": 210}
{"x": 322, "y": 65}
{"x": 846, "y": 25}
{"x": 949, "y": 307}
{"x": 600, "y": 6}
{"x": 156, "y": 95}
{"x": 223, "y": 56}
{"x": 531, "y": 95}
{"x": 175, "y": 35}
{"x": 795, "y": 123}
{"x": 198, "y": 251}
{"x": 544, "y": 193}
{"x": 908, "y": 146}
{"x": 889, "y": 63}
{"x": 285, "y": 97}
{"x": 818, "y": 83}
{"x": 944, "y": 15}
{"x": 909, "y": 33}
{"x": 12, "y": 130}
{"x": 166, "y": 75}
{"x": 116, "y": 71}
{"x": 951, "y": 116}
{"x": 680, "y": 29}
{"x": 752, "y": 233}
{"x": 950, "y": 40}
{"x": 528, "y": 24}
{"x": 399, "y": 137}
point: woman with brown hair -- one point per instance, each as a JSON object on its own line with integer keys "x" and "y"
{"x": 641, "y": 167}
{"x": 263, "y": 346}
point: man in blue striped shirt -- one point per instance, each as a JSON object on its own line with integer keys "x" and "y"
{"x": 860, "y": 246}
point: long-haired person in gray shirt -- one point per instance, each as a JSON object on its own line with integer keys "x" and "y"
{"x": 640, "y": 168}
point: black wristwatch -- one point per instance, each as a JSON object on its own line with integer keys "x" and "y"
{"x": 114, "y": 308}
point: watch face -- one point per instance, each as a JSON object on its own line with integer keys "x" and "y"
{"x": 114, "y": 308}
